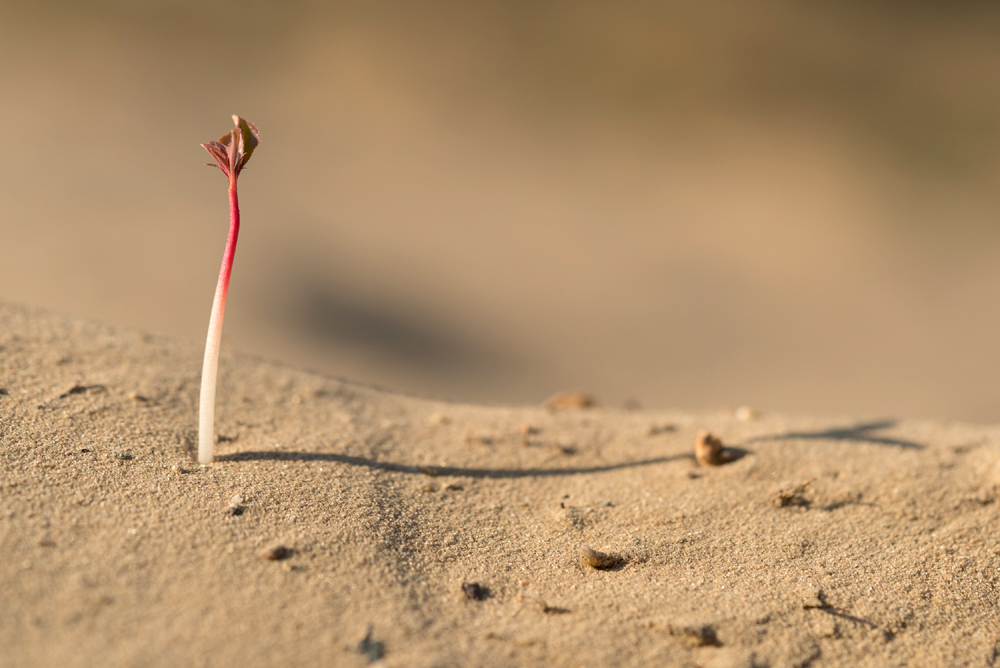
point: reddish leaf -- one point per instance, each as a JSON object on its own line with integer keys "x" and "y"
{"x": 233, "y": 150}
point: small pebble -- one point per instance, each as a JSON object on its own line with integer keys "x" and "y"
{"x": 234, "y": 509}
{"x": 573, "y": 400}
{"x": 276, "y": 553}
{"x": 598, "y": 560}
{"x": 745, "y": 414}
{"x": 475, "y": 591}
{"x": 709, "y": 451}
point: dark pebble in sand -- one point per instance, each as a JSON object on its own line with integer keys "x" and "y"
{"x": 277, "y": 553}
{"x": 475, "y": 591}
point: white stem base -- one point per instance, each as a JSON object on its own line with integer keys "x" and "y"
{"x": 209, "y": 373}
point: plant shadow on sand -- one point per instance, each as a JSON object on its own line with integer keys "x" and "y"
{"x": 859, "y": 433}
{"x": 442, "y": 470}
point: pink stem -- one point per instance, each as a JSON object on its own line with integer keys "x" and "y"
{"x": 210, "y": 367}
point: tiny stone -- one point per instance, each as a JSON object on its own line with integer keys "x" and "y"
{"x": 598, "y": 560}
{"x": 709, "y": 451}
{"x": 607, "y": 504}
{"x": 475, "y": 591}
{"x": 745, "y": 414}
{"x": 276, "y": 553}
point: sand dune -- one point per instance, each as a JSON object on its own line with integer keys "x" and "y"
{"x": 418, "y": 533}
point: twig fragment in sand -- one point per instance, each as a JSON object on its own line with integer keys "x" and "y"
{"x": 552, "y": 609}
{"x": 80, "y": 389}
{"x": 709, "y": 451}
{"x": 699, "y": 635}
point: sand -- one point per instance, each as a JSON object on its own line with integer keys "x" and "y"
{"x": 420, "y": 533}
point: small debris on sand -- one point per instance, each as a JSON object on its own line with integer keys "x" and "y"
{"x": 438, "y": 419}
{"x": 235, "y": 505}
{"x": 371, "y": 648}
{"x": 552, "y": 609}
{"x": 276, "y": 553}
{"x": 572, "y": 400}
{"x": 698, "y": 635}
{"x": 528, "y": 429}
{"x": 745, "y": 414}
{"x": 709, "y": 451}
{"x": 657, "y": 429}
{"x": 793, "y": 496}
{"x": 138, "y": 398}
{"x": 598, "y": 560}
{"x": 79, "y": 388}
{"x": 566, "y": 448}
{"x": 475, "y": 591}
{"x": 480, "y": 438}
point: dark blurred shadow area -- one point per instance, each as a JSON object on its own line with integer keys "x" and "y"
{"x": 782, "y": 204}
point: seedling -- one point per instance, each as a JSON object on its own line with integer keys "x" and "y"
{"x": 231, "y": 154}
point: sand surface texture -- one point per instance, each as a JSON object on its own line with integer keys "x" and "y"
{"x": 406, "y": 532}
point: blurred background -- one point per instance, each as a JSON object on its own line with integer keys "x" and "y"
{"x": 787, "y": 205}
